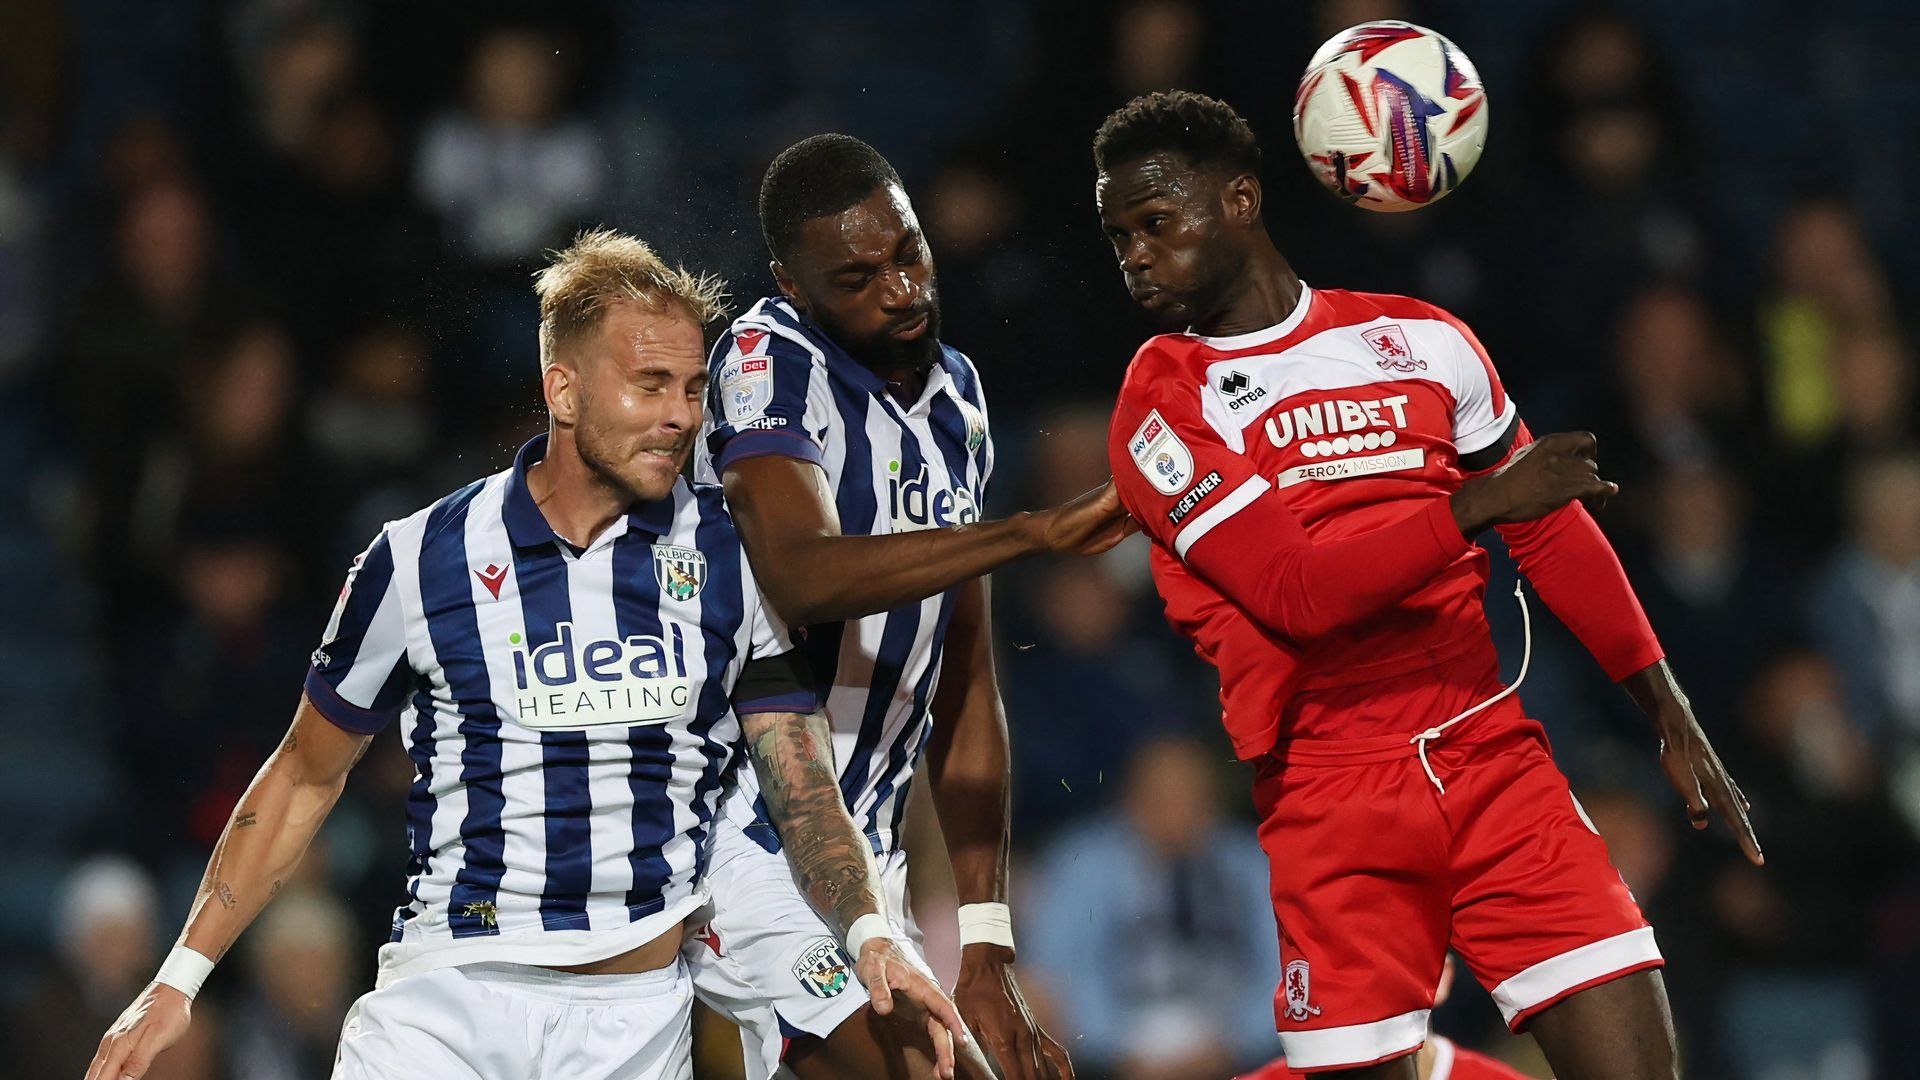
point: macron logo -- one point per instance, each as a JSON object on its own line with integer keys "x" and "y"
{"x": 492, "y": 577}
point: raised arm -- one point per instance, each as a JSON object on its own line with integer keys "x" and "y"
{"x": 814, "y": 574}
{"x": 792, "y": 754}
{"x": 970, "y": 770}
{"x": 265, "y": 837}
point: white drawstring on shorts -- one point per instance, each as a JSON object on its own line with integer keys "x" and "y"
{"x": 1421, "y": 740}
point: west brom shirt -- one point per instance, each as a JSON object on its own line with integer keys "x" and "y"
{"x": 781, "y": 386}
{"x": 567, "y": 712}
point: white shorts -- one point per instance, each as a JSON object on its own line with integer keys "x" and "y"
{"x": 767, "y": 962}
{"x": 515, "y": 1022}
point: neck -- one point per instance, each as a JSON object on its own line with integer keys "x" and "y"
{"x": 904, "y": 383}
{"x": 577, "y": 502}
{"x": 1263, "y": 294}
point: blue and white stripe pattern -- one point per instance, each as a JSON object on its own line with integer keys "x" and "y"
{"x": 782, "y": 387}
{"x": 567, "y": 711}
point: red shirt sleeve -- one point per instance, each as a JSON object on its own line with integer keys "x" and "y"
{"x": 1207, "y": 504}
{"x": 1575, "y": 570}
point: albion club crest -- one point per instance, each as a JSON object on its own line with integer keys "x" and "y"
{"x": 823, "y": 970}
{"x": 680, "y": 571}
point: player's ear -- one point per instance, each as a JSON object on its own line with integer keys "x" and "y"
{"x": 1240, "y": 197}
{"x": 562, "y": 391}
{"x": 787, "y": 288}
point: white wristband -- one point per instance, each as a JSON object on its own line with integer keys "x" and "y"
{"x": 986, "y": 924}
{"x": 866, "y": 928}
{"x": 184, "y": 970}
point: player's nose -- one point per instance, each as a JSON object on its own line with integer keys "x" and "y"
{"x": 898, "y": 290}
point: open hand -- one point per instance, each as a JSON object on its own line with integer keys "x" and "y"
{"x": 1541, "y": 477}
{"x": 1087, "y": 525}
{"x": 991, "y": 1003}
{"x": 1696, "y": 773}
{"x": 886, "y": 971}
{"x": 156, "y": 1020}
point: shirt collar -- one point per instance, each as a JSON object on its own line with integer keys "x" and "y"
{"x": 1267, "y": 335}
{"x": 860, "y": 375}
{"x": 526, "y": 525}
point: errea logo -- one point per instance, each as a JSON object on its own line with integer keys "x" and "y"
{"x": 1238, "y": 390}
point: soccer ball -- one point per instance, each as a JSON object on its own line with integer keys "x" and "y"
{"x": 1390, "y": 116}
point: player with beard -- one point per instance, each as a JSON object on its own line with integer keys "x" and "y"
{"x": 1408, "y": 801}
{"x": 578, "y": 656}
{"x": 855, "y": 452}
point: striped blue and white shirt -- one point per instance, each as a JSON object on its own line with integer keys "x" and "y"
{"x": 781, "y": 386}
{"x": 567, "y": 711}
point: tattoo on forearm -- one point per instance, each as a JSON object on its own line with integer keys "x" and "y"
{"x": 225, "y": 892}
{"x": 830, "y": 857}
{"x": 275, "y": 891}
{"x": 245, "y": 818}
{"x": 291, "y": 743}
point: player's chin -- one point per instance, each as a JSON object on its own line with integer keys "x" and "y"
{"x": 1164, "y": 308}
{"x": 652, "y": 476}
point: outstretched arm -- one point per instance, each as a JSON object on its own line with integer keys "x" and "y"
{"x": 970, "y": 768}
{"x": 1578, "y": 575}
{"x": 264, "y": 840}
{"x": 793, "y": 756}
{"x": 814, "y": 574}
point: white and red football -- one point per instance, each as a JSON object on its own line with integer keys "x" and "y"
{"x": 1390, "y": 116}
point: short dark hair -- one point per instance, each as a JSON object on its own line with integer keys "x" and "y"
{"x": 817, "y": 176}
{"x": 1206, "y": 131}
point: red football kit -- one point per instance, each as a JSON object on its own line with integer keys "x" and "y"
{"x": 1294, "y": 482}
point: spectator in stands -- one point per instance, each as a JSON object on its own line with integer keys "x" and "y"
{"x": 301, "y": 970}
{"x": 1151, "y": 930}
{"x": 1826, "y": 283}
{"x": 510, "y": 173}
{"x": 1866, "y": 603}
{"x": 107, "y": 947}
{"x": 1713, "y": 596}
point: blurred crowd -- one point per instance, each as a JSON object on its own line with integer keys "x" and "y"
{"x": 264, "y": 284}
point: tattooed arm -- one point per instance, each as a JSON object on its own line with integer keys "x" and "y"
{"x": 265, "y": 838}
{"x": 793, "y": 756}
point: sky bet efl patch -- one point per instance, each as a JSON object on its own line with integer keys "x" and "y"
{"x": 1160, "y": 455}
{"x": 746, "y": 388}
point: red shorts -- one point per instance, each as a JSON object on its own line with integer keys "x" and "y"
{"x": 1376, "y": 874}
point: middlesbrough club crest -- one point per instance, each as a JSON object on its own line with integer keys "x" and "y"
{"x": 1299, "y": 988}
{"x": 679, "y": 570}
{"x": 1389, "y": 342}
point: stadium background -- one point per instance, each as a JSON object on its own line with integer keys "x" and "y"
{"x": 264, "y": 284}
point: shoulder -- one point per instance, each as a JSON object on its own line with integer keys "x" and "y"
{"x": 966, "y": 376}
{"x": 446, "y": 515}
{"x": 1354, "y": 308}
{"x": 1162, "y": 370}
{"x": 1162, "y": 355}
{"x": 769, "y": 328}
{"x": 710, "y": 505}
{"x": 1365, "y": 306}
